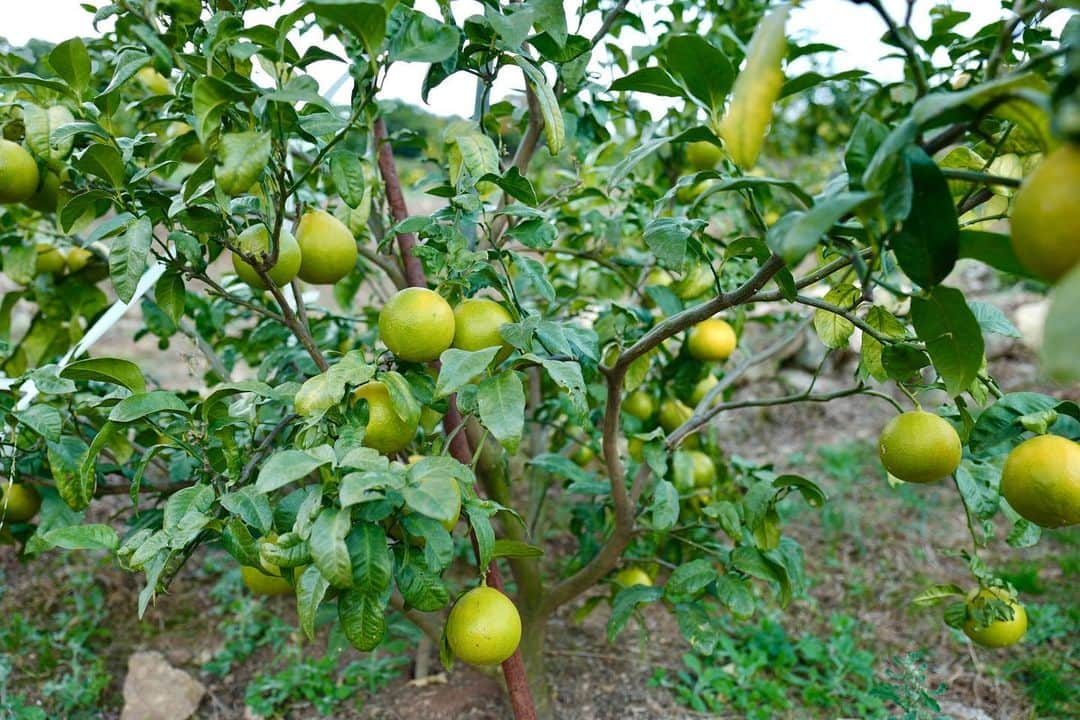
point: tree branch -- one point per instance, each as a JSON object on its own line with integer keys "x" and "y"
{"x": 414, "y": 270}
{"x": 919, "y": 76}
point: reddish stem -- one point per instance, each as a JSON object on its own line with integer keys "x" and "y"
{"x": 517, "y": 685}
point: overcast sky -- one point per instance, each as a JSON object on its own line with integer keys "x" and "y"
{"x": 854, "y": 28}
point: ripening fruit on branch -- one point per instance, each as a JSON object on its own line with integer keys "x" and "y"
{"x": 702, "y": 388}
{"x": 417, "y": 324}
{"x": 50, "y": 260}
{"x": 998, "y": 633}
{"x": 640, "y": 404}
{"x": 78, "y": 258}
{"x": 18, "y": 173}
{"x": 756, "y": 90}
{"x": 919, "y": 447}
{"x": 385, "y": 430}
{"x": 477, "y": 322}
{"x": 255, "y": 241}
{"x": 261, "y": 583}
{"x": 45, "y": 197}
{"x": 1044, "y": 225}
{"x": 153, "y": 81}
{"x": 702, "y": 155}
{"x": 711, "y": 340}
{"x": 673, "y": 413}
{"x": 327, "y": 248}
{"x": 18, "y": 502}
{"x": 1041, "y": 480}
{"x": 631, "y": 576}
{"x": 695, "y": 282}
{"x": 484, "y": 627}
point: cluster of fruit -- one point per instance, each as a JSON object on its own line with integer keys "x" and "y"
{"x": 1040, "y": 480}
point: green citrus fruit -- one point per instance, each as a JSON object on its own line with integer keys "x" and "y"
{"x": 695, "y": 282}
{"x": 919, "y": 447}
{"x": 1043, "y": 219}
{"x": 583, "y": 455}
{"x": 261, "y": 583}
{"x": 1041, "y": 480}
{"x": 77, "y": 258}
{"x": 18, "y": 503}
{"x": 704, "y": 385}
{"x": 255, "y": 241}
{"x": 50, "y": 259}
{"x": 999, "y": 633}
{"x": 18, "y": 173}
{"x": 417, "y": 324}
{"x": 673, "y": 414}
{"x": 704, "y": 469}
{"x": 45, "y": 197}
{"x": 631, "y": 576}
{"x": 477, "y": 322}
{"x": 640, "y": 404}
{"x": 702, "y": 155}
{"x": 484, "y": 627}
{"x": 385, "y": 431}
{"x": 327, "y": 248}
{"x": 711, "y": 340}
{"x": 635, "y": 447}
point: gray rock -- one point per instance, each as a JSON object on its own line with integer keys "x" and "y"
{"x": 155, "y": 690}
{"x": 960, "y": 711}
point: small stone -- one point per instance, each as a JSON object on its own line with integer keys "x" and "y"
{"x": 960, "y": 711}
{"x": 155, "y": 690}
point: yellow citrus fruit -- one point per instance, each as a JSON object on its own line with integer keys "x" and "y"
{"x": 635, "y": 446}
{"x": 261, "y": 583}
{"x": 483, "y": 627}
{"x": 999, "y": 633}
{"x": 417, "y": 324}
{"x": 711, "y": 340}
{"x": 193, "y": 151}
{"x": 631, "y": 576}
{"x": 659, "y": 276}
{"x": 704, "y": 469}
{"x": 1041, "y": 480}
{"x": 77, "y": 258}
{"x": 255, "y": 241}
{"x": 50, "y": 259}
{"x": 327, "y": 248}
{"x": 45, "y": 197}
{"x": 477, "y": 322}
{"x": 702, "y": 155}
{"x": 919, "y": 447}
{"x": 640, "y": 404}
{"x": 704, "y": 385}
{"x": 153, "y": 81}
{"x": 673, "y": 414}
{"x": 385, "y": 431}
{"x": 18, "y": 503}
{"x": 18, "y": 173}
{"x": 1045, "y": 231}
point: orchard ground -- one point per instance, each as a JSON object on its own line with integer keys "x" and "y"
{"x": 69, "y": 624}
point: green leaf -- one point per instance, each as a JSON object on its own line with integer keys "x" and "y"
{"x": 169, "y": 294}
{"x": 554, "y": 129}
{"x": 885, "y": 323}
{"x": 550, "y": 16}
{"x": 329, "y": 553}
{"x": 479, "y": 515}
{"x": 624, "y": 605}
{"x": 363, "y": 619}
{"x": 105, "y": 369}
{"x": 286, "y": 466}
{"x": 652, "y": 80}
{"x": 811, "y": 492}
{"x": 703, "y": 69}
{"x": 697, "y": 627}
{"x": 350, "y": 176}
{"x": 952, "y": 335}
{"x": 835, "y": 330}
{"x": 139, "y": 406}
{"x": 253, "y": 508}
{"x": 902, "y": 360}
{"x": 665, "y": 506}
{"x": 129, "y": 257}
{"x": 794, "y": 239}
{"x": 311, "y": 588}
{"x": 1060, "y": 358}
{"x": 734, "y": 593}
{"x": 866, "y": 137}
{"x": 536, "y": 273}
{"x": 437, "y": 497}
{"x": 1001, "y": 421}
{"x": 690, "y": 579}
{"x": 667, "y": 239}
{"x": 103, "y": 161}
{"x": 66, "y": 459}
{"x": 515, "y": 549}
{"x": 71, "y": 61}
{"x": 238, "y": 542}
{"x": 243, "y": 157}
{"x": 365, "y": 20}
{"x": 460, "y": 367}
{"x": 371, "y": 560}
{"x": 40, "y": 124}
{"x": 992, "y": 249}
{"x": 935, "y": 594}
{"x": 993, "y": 320}
{"x": 45, "y": 420}
{"x": 83, "y": 537}
{"x": 501, "y": 401}
{"x": 187, "y": 505}
{"x": 210, "y": 98}
{"x": 420, "y": 587}
{"x": 420, "y": 38}
{"x": 514, "y": 184}
{"x": 927, "y": 245}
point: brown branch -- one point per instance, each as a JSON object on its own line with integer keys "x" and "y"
{"x": 997, "y": 55}
{"x": 264, "y": 447}
{"x": 414, "y": 270}
{"x": 820, "y": 274}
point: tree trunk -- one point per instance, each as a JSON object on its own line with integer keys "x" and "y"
{"x": 532, "y": 651}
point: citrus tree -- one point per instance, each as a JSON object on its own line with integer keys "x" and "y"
{"x": 525, "y": 379}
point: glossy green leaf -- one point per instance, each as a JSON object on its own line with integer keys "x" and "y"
{"x": 952, "y": 335}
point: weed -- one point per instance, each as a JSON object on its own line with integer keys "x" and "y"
{"x": 906, "y": 687}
